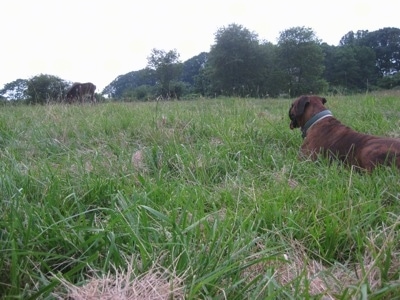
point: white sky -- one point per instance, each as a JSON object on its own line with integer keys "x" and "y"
{"x": 98, "y": 40}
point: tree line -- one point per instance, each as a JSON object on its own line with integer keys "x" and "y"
{"x": 240, "y": 64}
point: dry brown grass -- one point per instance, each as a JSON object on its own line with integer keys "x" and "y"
{"x": 328, "y": 281}
{"x": 138, "y": 161}
{"x": 156, "y": 284}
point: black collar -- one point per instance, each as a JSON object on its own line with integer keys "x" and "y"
{"x": 319, "y": 116}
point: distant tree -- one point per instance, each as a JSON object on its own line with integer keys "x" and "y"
{"x": 368, "y": 74}
{"x": 329, "y": 61}
{"x": 349, "y": 68}
{"x": 129, "y": 82}
{"x": 167, "y": 67}
{"x": 140, "y": 93}
{"x": 238, "y": 64}
{"x": 352, "y": 39}
{"x": 143, "y": 92}
{"x": 386, "y": 44}
{"x": 390, "y": 82}
{"x": 178, "y": 89}
{"x": 15, "y": 90}
{"x": 46, "y": 88}
{"x": 234, "y": 61}
{"x": 272, "y": 81}
{"x": 345, "y": 68}
{"x": 203, "y": 82}
{"x": 301, "y": 58}
{"x": 193, "y": 66}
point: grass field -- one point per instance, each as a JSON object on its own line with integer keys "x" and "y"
{"x": 203, "y": 198}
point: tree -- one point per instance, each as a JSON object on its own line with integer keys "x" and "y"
{"x": 390, "y": 82}
{"x": 168, "y": 69}
{"x": 140, "y": 93}
{"x": 350, "y": 67}
{"x": 203, "y": 82}
{"x": 272, "y": 81}
{"x": 234, "y": 61}
{"x": 386, "y": 44}
{"x": 301, "y": 58}
{"x": 46, "y": 88}
{"x": 352, "y": 39}
{"x": 193, "y": 66}
{"x": 368, "y": 74}
{"x": 345, "y": 69}
{"x": 120, "y": 86}
{"x": 15, "y": 90}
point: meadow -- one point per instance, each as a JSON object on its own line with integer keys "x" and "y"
{"x": 202, "y": 199}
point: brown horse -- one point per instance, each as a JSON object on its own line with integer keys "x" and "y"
{"x": 79, "y": 91}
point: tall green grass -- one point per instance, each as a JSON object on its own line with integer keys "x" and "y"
{"x": 209, "y": 189}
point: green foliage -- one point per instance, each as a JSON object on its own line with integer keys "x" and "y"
{"x": 236, "y": 62}
{"x": 352, "y": 39}
{"x": 129, "y": 82}
{"x": 272, "y": 82}
{"x": 168, "y": 68}
{"x": 384, "y": 42}
{"x": 192, "y": 67}
{"x": 301, "y": 58}
{"x": 211, "y": 190}
{"x": 140, "y": 93}
{"x": 390, "y": 82}
{"x": 239, "y": 65}
{"x": 15, "y": 90}
{"x": 351, "y": 67}
{"x": 45, "y": 88}
{"x": 143, "y": 92}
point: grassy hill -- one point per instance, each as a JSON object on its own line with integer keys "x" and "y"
{"x": 206, "y": 198}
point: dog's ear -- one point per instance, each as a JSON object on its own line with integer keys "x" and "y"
{"x": 323, "y": 100}
{"x": 301, "y": 105}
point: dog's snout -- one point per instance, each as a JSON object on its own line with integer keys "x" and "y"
{"x": 292, "y": 116}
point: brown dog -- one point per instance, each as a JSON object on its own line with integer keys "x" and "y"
{"x": 323, "y": 134}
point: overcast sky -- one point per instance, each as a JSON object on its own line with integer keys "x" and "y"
{"x": 98, "y": 40}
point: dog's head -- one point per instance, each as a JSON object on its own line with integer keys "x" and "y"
{"x": 303, "y": 108}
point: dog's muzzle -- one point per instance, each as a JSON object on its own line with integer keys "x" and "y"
{"x": 293, "y": 121}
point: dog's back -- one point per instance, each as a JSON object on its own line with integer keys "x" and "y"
{"x": 328, "y": 136}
